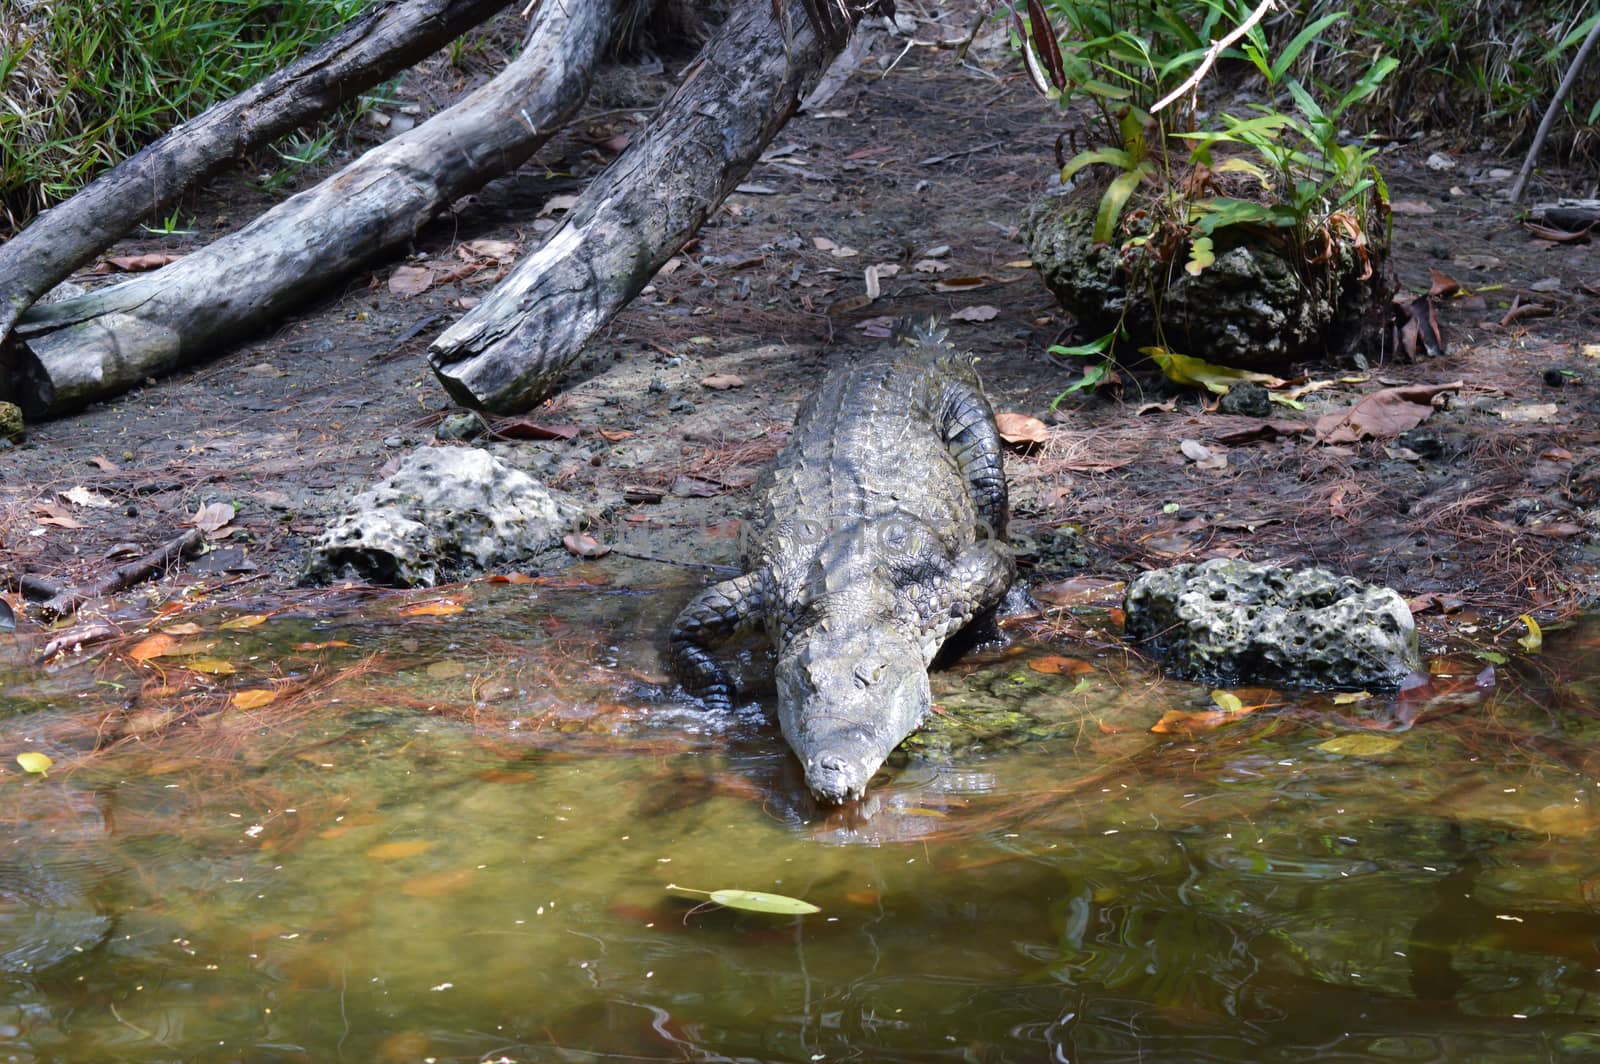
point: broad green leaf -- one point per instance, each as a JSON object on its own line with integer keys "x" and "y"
{"x": 1237, "y": 165}
{"x": 1534, "y": 639}
{"x": 34, "y": 762}
{"x": 1112, "y": 202}
{"x": 1092, "y": 376}
{"x": 1093, "y": 347}
{"x": 1110, "y": 156}
{"x": 1227, "y": 701}
{"x": 1185, "y": 369}
{"x": 758, "y": 901}
{"x": 1360, "y": 745}
{"x": 1200, "y": 256}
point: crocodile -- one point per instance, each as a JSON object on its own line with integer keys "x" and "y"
{"x": 879, "y": 533}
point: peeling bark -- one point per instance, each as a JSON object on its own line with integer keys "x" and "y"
{"x": 387, "y": 39}
{"x": 507, "y": 353}
{"x": 63, "y": 355}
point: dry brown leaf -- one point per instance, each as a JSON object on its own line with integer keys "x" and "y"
{"x": 584, "y": 546}
{"x": 720, "y": 382}
{"x": 981, "y": 312}
{"x": 1383, "y": 414}
{"x": 1057, "y": 665}
{"x": 564, "y": 202}
{"x": 407, "y": 281}
{"x": 136, "y": 263}
{"x": 213, "y": 516}
{"x": 153, "y": 646}
{"x": 1021, "y": 429}
{"x": 498, "y": 250}
{"x": 437, "y": 885}
{"x": 1411, "y": 207}
{"x": 521, "y": 428}
{"x": 930, "y": 266}
{"x": 962, "y": 284}
{"x": 395, "y": 851}
{"x": 436, "y": 608}
{"x": 186, "y": 628}
{"x": 254, "y": 698}
{"x": 1443, "y": 285}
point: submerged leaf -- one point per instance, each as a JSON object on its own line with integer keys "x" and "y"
{"x": 1359, "y": 745}
{"x": 1534, "y": 640}
{"x": 254, "y": 698}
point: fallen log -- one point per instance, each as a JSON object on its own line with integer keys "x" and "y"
{"x": 61, "y": 356}
{"x": 1569, "y": 214}
{"x": 386, "y": 39}
{"x": 66, "y": 602}
{"x": 507, "y": 353}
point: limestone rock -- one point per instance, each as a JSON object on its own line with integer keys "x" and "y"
{"x": 446, "y": 512}
{"x": 1250, "y": 308}
{"x": 1235, "y": 622}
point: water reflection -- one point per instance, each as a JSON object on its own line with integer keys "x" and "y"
{"x": 422, "y": 851}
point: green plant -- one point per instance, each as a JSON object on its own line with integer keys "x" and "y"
{"x": 1316, "y": 189}
{"x": 84, "y": 84}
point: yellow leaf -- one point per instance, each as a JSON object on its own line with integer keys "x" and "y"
{"x": 1534, "y": 639}
{"x": 1360, "y": 745}
{"x": 186, "y": 628}
{"x": 254, "y": 698}
{"x": 213, "y": 666}
{"x": 249, "y": 620}
{"x": 154, "y": 646}
{"x": 1185, "y": 369}
{"x": 35, "y": 762}
{"x": 1345, "y": 698}
{"x": 1227, "y": 701}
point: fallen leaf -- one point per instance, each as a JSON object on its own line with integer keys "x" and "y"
{"x": 615, "y": 435}
{"x": 1559, "y": 236}
{"x": 186, "y": 628}
{"x": 499, "y": 250}
{"x": 930, "y": 266}
{"x": 1534, "y": 640}
{"x": 1194, "y": 450}
{"x": 1382, "y": 414}
{"x": 435, "y": 608}
{"x": 53, "y": 515}
{"x": 1476, "y": 261}
{"x": 254, "y": 698}
{"x": 136, "y": 263}
{"x": 407, "y": 281}
{"x": 438, "y": 885}
{"x": 962, "y": 284}
{"x": 722, "y": 381}
{"x": 1056, "y": 665}
{"x": 521, "y": 428}
{"x": 82, "y": 496}
{"x": 1227, "y": 701}
{"x": 34, "y": 762}
{"x": 1348, "y": 698}
{"x": 981, "y": 312}
{"x": 1079, "y": 590}
{"x": 1529, "y": 412}
{"x": 212, "y": 666}
{"x": 584, "y": 546}
{"x": 1443, "y": 285}
{"x": 1185, "y": 369}
{"x": 321, "y": 646}
{"x": 154, "y": 646}
{"x": 249, "y": 620}
{"x": 445, "y": 670}
{"x": 213, "y": 516}
{"x": 1411, "y": 207}
{"x": 104, "y": 464}
{"x": 1360, "y": 745}
{"x": 1021, "y": 429}
{"x": 397, "y": 851}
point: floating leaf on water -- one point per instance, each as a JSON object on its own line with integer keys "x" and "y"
{"x": 758, "y": 901}
{"x": 1056, "y": 664}
{"x": 254, "y": 698}
{"x": 1227, "y": 701}
{"x": 1359, "y": 745}
{"x": 213, "y": 666}
{"x": 154, "y": 646}
{"x": 249, "y": 620}
{"x": 34, "y": 762}
{"x": 186, "y": 628}
{"x": 1534, "y": 640}
{"x": 1345, "y": 698}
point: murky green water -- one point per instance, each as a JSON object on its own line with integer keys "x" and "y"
{"x": 450, "y": 839}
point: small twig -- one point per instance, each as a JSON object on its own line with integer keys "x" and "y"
{"x": 1550, "y": 112}
{"x": 1213, "y": 52}
{"x": 66, "y": 603}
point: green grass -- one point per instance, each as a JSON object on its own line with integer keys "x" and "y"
{"x": 84, "y": 84}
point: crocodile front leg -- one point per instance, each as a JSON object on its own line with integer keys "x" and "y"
{"x": 712, "y": 616}
{"x": 973, "y": 585}
{"x": 967, "y": 425}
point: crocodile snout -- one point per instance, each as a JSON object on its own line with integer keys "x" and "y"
{"x": 834, "y": 780}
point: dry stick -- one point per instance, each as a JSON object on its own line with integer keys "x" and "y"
{"x": 388, "y": 38}
{"x": 1549, "y": 118}
{"x": 123, "y": 577}
{"x": 64, "y": 355}
{"x": 1213, "y": 52}
{"x": 508, "y": 352}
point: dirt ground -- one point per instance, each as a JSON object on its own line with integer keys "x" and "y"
{"x": 918, "y": 162}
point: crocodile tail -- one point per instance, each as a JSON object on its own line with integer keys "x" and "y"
{"x": 923, "y": 331}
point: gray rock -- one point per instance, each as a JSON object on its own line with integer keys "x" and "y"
{"x": 446, "y": 512}
{"x": 1246, "y": 399}
{"x": 1250, "y": 308}
{"x": 1235, "y": 622}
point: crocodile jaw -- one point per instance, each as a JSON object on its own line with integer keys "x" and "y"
{"x": 846, "y": 703}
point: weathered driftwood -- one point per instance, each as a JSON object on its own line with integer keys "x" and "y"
{"x": 66, "y": 602}
{"x": 63, "y": 355}
{"x": 508, "y": 351}
{"x": 389, "y": 37}
{"x": 1572, "y": 214}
